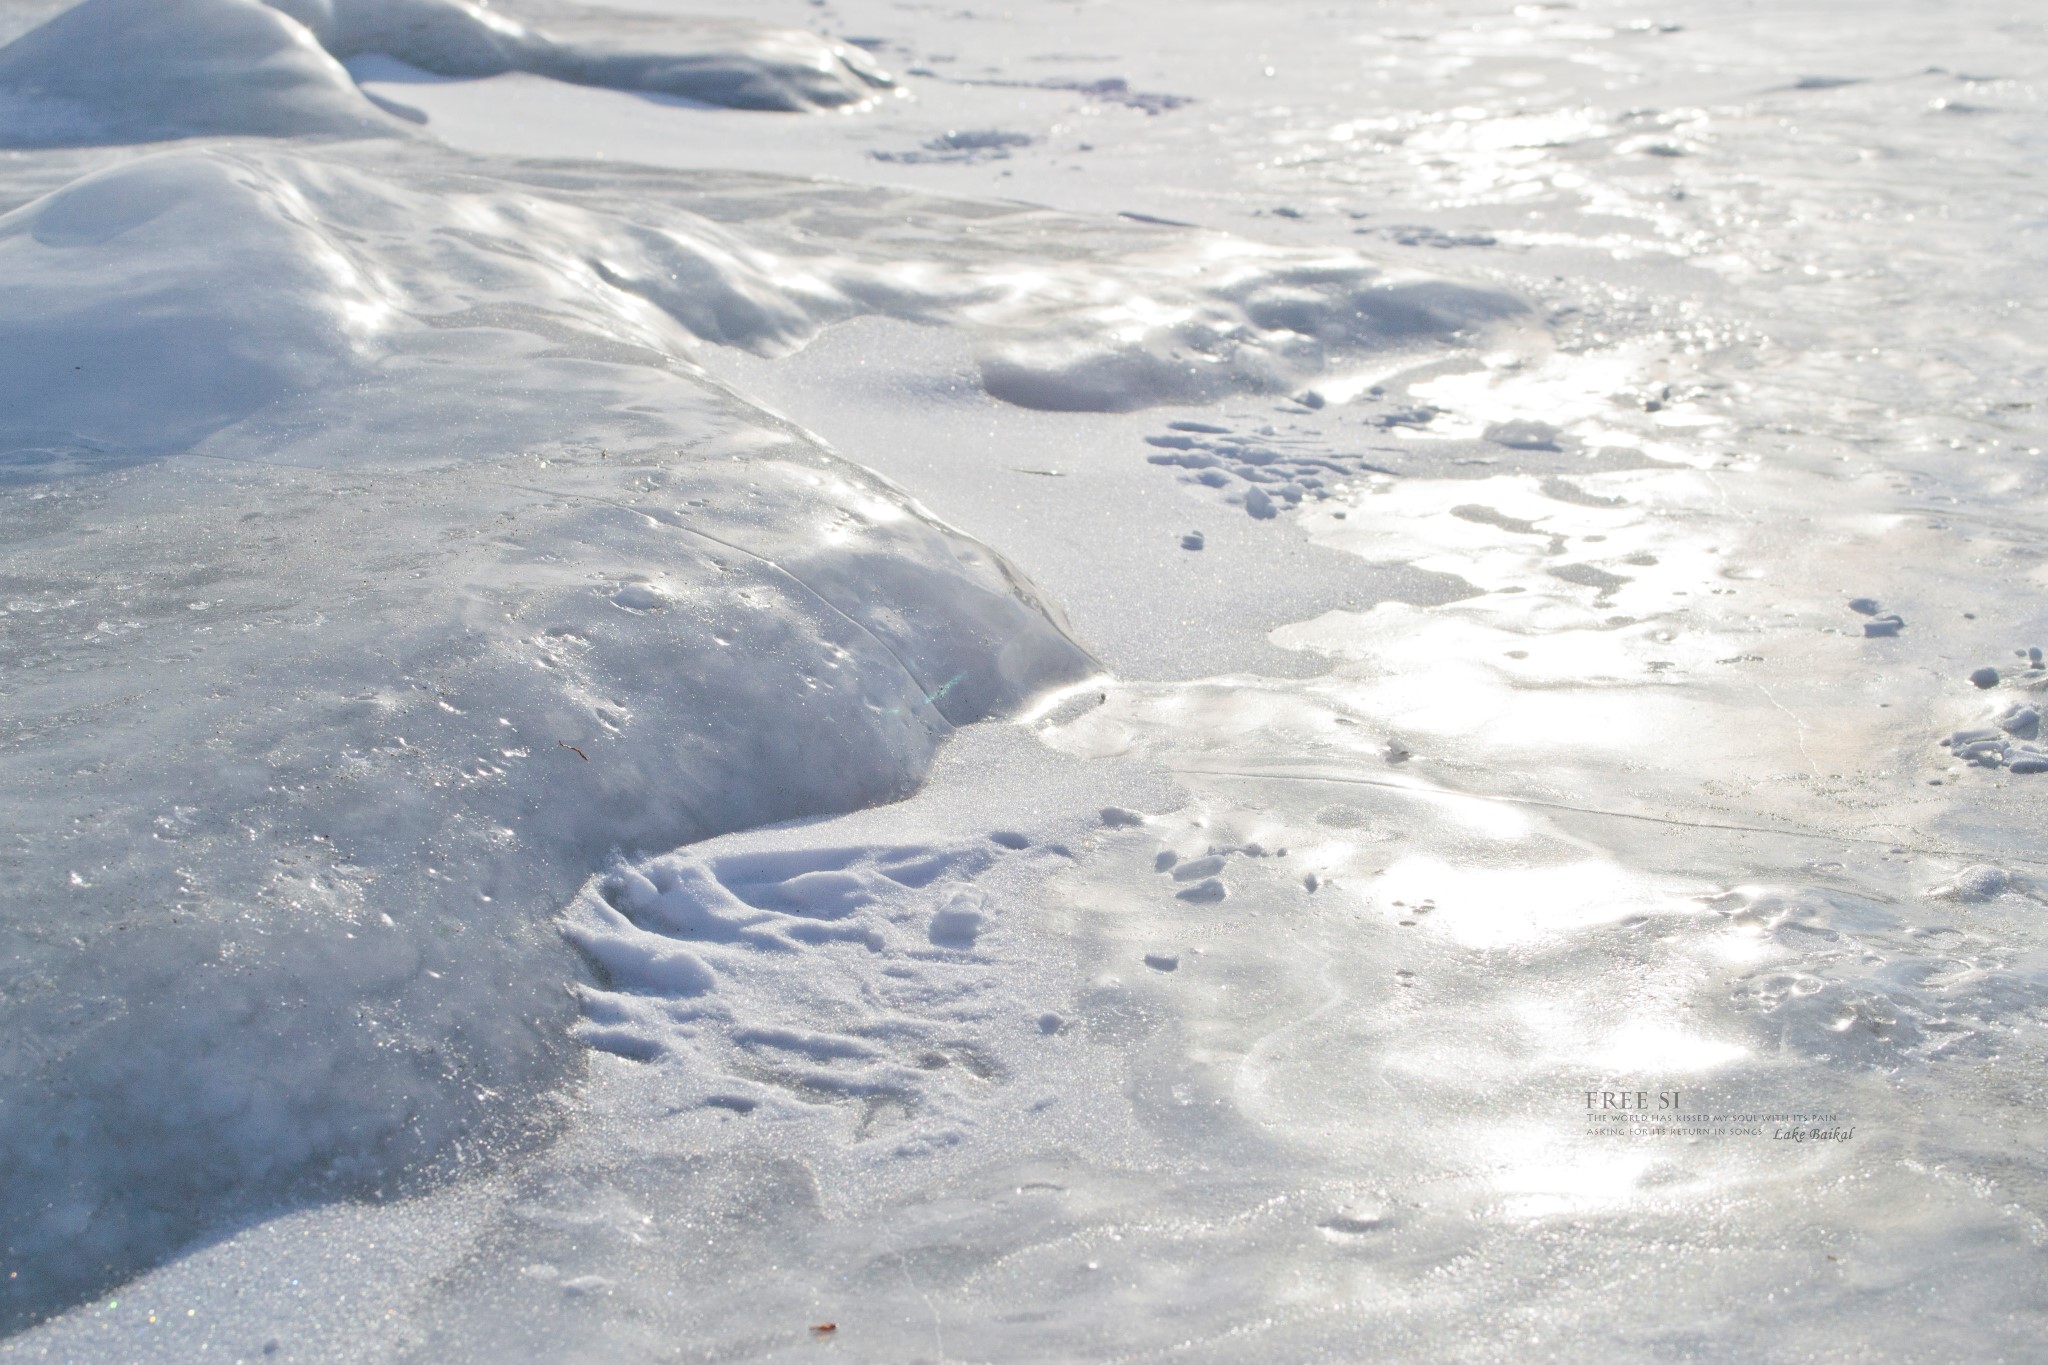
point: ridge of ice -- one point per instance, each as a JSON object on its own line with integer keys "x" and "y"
{"x": 738, "y": 65}
{"x": 221, "y": 282}
{"x": 122, "y": 71}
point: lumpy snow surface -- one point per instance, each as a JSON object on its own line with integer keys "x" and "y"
{"x": 357, "y": 608}
{"x": 118, "y": 71}
{"x": 381, "y": 558}
{"x": 1210, "y": 682}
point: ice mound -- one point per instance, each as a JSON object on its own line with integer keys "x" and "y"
{"x": 164, "y": 298}
{"x": 371, "y": 573}
{"x": 219, "y": 282}
{"x": 153, "y": 303}
{"x": 311, "y": 757}
{"x": 741, "y": 66}
{"x": 113, "y": 71}
{"x": 1070, "y": 313}
{"x": 1193, "y": 326}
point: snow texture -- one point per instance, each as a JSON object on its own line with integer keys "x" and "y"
{"x": 113, "y": 71}
{"x": 123, "y": 71}
{"x": 390, "y": 593}
{"x": 378, "y": 547}
{"x": 502, "y": 861}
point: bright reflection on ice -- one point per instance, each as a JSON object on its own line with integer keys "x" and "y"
{"x": 1553, "y": 1180}
{"x": 1511, "y": 907}
{"x": 1473, "y": 131}
{"x": 1491, "y": 819}
{"x": 1658, "y": 1048}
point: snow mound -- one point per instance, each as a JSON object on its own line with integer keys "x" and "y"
{"x": 1192, "y": 321}
{"x": 163, "y": 299}
{"x": 113, "y": 71}
{"x": 153, "y": 303}
{"x": 1070, "y": 313}
{"x": 367, "y": 584}
{"x": 737, "y": 65}
{"x": 219, "y": 283}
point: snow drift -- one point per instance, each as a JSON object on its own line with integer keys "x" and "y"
{"x": 741, "y": 66}
{"x": 115, "y": 71}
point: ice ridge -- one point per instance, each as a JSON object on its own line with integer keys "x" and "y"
{"x": 124, "y": 71}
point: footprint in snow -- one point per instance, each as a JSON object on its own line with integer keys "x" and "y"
{"x": 860, "y": 976}
{"x": 1262, "y": 470}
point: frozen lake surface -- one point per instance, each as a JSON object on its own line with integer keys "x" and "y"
{"x": 1080, "y": 681}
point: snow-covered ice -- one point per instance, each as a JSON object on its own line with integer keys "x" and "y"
{"x": 1079, "y": 682}
{"x": 113, "y": 71}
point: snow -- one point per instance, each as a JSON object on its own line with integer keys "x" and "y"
{"x": 1064, "y": 711}
{"x": 115, "y": 71}
{"x": 732, "y": 64}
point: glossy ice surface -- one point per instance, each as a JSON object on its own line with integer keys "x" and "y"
{"x": 1423, "y": 562}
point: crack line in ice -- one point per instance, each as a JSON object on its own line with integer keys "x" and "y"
{"x": 1253, "y": 1074}
{"x": 938, "y": 1331}
{"x": 1416, "y": 789}
{"x": 1800, "y": 725}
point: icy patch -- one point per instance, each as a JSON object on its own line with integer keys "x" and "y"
{"x": 1559, "y": 567}
{"x": 1489, "y": 908}
{"x": 1616, "y": 397}
{"x": 984, "y": 144}
{"x": 1857, "y": 983}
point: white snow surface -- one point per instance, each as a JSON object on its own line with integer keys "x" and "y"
{"x": 123, "y": 71}
{"x": 1069, "y": 714}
